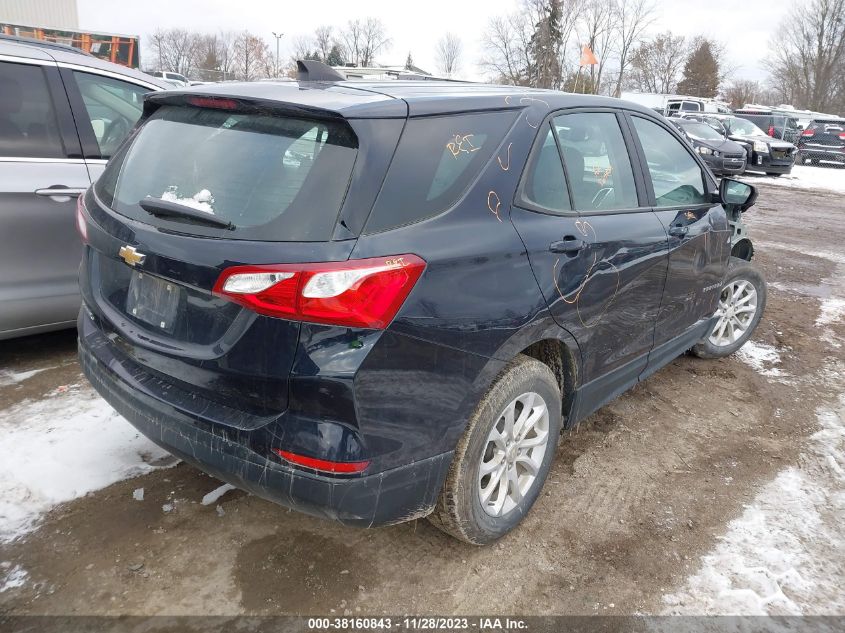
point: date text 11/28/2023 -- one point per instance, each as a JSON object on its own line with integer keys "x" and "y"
{"x": 425, "y": 623}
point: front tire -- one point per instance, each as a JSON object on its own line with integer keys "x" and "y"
{"x": 741, "y": 305}
{"x": 504, "y": 456}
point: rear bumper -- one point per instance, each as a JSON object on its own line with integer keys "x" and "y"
{"x": 393, "y": 496}
{"x": 823, "y": 153}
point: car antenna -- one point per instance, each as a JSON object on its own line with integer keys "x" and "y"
{"x": 312, "y": 70}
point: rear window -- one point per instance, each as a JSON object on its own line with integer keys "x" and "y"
{"x": 436, "y": 161}
{"x": 275, "y": 178}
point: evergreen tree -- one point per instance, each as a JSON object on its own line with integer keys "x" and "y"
{"x": 409, "y": 63}
{"x": 335, "y": 57}
{"x": 545, "y": 46}
{"x": 701, "y": 72}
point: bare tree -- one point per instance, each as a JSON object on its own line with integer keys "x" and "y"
{"x": 252, "y": 57}
{"x": 303, "y": 48}
{"x": 176, "y": 50}
{"x": 656, "y": 64}
{"x": 597, "y": 31}
{"x": 214, "y": 57}
{"x": 324, "y": 40}
{"x": 742, "y": 91}
{"x": 448, "y": 53}
{"x": 363, "y": 39}
{"x": 506, "y": 43}
{"x": 632, "y": 18}
{"x": 808, "y": 62}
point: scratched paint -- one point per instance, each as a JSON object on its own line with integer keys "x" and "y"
{"x": 507, "y": 164}
{"x": 585, "y": 229}
{"x": 494, "y": 203}
{"x": 461, "y": 144}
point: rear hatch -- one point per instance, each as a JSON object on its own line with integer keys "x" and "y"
{"x": 203, "y": 186}
{"x": 825, "y": 134}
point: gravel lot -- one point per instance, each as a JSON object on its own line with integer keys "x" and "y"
{"x": 713, "y": 487}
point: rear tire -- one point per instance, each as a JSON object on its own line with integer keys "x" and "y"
{"x": 744, "y": 289}
{"x": 495, "y": 477}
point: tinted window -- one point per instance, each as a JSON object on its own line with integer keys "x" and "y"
{"x": 545, "y": 183}
{"x": 275, "y": 178}
{"x": 28, "y": 125}
{"x": 435, "y": 162}
{"x": 113, "y": 108}
{"x": 691, "y": 106}
{"x": 597, "y": 163}
{"x": 675, "y": 175}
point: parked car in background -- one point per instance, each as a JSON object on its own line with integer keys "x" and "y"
{"x": 724, "y": 156}
{"x": 375, "y": 302}
{"x": 176, "y": 79}
{"x": 765, "y": 154}
{"x": 63, "y": 113}
{"x": 822, "y": 140}
{"x": 773, "y": 124}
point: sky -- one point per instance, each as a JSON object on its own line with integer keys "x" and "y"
{"x": 746, "y": 27}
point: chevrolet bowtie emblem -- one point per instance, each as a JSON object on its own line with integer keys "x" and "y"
{"x": 131, "y": 256}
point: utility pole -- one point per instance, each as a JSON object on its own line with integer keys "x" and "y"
{"x": 278, "y": 37}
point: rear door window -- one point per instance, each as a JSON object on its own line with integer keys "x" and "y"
{"x": 274, "y": 177}
{"x": 544, "y": 182}
{"x": 597, "y": 161}
{"x": 436, "y": 161}
{"x": 28, "y": 127}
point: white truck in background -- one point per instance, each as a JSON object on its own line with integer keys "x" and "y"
{"x": 667, "y": 104}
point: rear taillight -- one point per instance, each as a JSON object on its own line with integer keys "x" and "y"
{"x": 808, "y": 133}
{"x": 322, "y": 464}
{"x": 356, "y": 293}
{"x": 771, "y": 130}
{"x": 842, "y": 136}
{"x": 81, "y": 223}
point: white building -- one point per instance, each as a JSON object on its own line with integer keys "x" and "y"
{"x": 58, "y": 14}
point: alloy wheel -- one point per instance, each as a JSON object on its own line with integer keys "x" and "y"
{"x": 736, "y": 311}
{"x": 513, "y": 454}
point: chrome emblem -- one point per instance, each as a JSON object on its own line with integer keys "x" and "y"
{"x": 131, "y": 256}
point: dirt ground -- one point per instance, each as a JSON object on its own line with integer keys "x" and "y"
{"x": 637, "y": 494}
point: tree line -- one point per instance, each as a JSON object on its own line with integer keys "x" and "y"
{"x": 539, "y": 44}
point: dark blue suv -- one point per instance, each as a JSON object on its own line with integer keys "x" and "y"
{"x": 375, "y": 302}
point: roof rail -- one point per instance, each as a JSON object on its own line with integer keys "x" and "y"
{"x": 311, "y": 70}
{"x": 42, "y": 43}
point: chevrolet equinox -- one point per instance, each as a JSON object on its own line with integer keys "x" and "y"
{"x": 375, "y": 302}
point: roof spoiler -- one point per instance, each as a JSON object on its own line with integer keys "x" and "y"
{"x": 310, "y": 70}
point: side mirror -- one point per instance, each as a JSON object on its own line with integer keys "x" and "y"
{"x": 737, "y": 194}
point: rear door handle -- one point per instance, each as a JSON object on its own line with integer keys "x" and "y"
{"x": 569, "y": 244}
{"x": 60, "y": 191}
{"x": 678, "y": 231}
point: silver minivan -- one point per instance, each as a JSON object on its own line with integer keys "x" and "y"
{"x": 63, "y": 113}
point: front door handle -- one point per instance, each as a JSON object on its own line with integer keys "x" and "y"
{"x": 569, "y": 244}
{"x": 60, "y": 193}
{"x": 678, "y": 231}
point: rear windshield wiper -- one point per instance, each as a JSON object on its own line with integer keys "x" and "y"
{"x": 165, "y": 209}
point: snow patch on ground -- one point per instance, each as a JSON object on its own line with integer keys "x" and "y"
{"x": 783, "y": 556}
{"x": 806, "y": 177}
{"x": 761, "y": 357}
{"x": 201, "y": 201}
{"x": 215, "y": 494}
{"x": 830, "y": 311}
{"x": 13, "y": 577}
{"x": 12, "y": 378}
{"x": 65, "y": 445}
